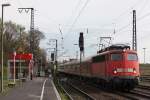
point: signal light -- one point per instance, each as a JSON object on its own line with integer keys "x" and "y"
{"x": 52, "y": 56}
{"x": 81, "y": 41}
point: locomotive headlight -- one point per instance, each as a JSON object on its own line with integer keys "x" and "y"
{"x": 115, "y": 71}
{"x": 134, "y": 70}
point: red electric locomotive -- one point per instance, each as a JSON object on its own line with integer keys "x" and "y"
{"x": 116, "y": 66}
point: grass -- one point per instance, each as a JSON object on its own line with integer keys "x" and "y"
{"x": 7, "y": 88}
{"x": 144, "y": 65}
{"x": 6, "y": 82}
{"x": 145, "y": 69}
{"x": 60, "y": 90}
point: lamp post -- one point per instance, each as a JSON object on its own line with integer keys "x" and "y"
{"x": 55, "y": 65}
{"x": 14, "y": 71}
{"x": 2, "y": 23}
{"x": 41, "y": 69}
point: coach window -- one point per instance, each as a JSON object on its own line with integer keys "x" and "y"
{"x": 132, "y": 57}
{"x": 116, "y": 57}
{"x": 97, "y": 59}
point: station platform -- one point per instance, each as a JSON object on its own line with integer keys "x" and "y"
{"x": 36, "y": 89}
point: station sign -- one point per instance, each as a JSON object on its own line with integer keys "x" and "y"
{"x": 27, "y": 56}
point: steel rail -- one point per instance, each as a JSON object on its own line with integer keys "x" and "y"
{"x": 87, "y": 95}
{"x": 68, "y": 95}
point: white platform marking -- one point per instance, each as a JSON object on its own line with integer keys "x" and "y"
{"x": 42, "y": 93}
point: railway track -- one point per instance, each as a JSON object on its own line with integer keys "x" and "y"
{"x": 74, "y": 93}
{"x": 145, "y": 78}
{"x": 144, "y": 87}
{"x": 98, "y": 93}
{"x": 139, "y": 93}
{"x": 65, "y": 92}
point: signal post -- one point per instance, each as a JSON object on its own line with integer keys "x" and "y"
{"x": 81, "y": 46}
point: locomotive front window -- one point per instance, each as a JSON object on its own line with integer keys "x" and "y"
{"x": 116, "y": 57}
{"x": 132, "y": 57}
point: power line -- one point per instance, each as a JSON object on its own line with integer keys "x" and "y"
{"x": 80, "y": 12}
{"x": 76, "y": 8}
{"x": 124, "y": 27}
{"x": 126, "y": 11}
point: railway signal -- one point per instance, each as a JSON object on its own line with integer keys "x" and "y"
{"x": 81, "y": 46}
{"x": 52, "y": 57}
{"x": 81, "y": 42}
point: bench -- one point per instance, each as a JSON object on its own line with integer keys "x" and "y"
{"x": 11, "y": 84}
{"x": 23, "y": 79}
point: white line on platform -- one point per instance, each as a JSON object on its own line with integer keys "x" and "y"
{"x": 42, "y": 93}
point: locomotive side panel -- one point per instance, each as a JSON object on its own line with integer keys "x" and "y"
{"x": 98, "y": 66}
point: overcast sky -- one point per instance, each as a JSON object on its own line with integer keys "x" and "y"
{"x": 100, "y": 17}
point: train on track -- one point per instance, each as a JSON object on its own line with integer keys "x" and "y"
{"x": 115, "y": 66}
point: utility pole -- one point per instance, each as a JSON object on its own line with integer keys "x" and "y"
{"x": 134, "y": 38}
{"x": 41, "y": 69}
{"x": 32, "y": 47}
{"x": 20, "y": 49}
{"x": 14, "y": 67}
{"x": 56, "y": 51}
{"x": 144, "y": 54}
{"x": 31, "y": 27}
{"x": 56, "y": 56}
{"x": 81, "y": 46}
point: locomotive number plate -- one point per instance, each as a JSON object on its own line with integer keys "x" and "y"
{"x": 124, "y": 69}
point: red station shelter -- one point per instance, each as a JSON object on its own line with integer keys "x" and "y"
{"x": 23, "y": 65}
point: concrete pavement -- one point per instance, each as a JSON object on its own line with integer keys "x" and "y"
{"x": 36, "y": 89}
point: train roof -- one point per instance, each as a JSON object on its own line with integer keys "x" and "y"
{"x": 115, "y": 47}
{"x": 87, "y": 59}
{"x": 110, "y": 49}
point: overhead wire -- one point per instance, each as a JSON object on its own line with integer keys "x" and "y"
{"x": 77, "y": 17}
{"x": 126, "y": 11}
{"x": 122, "y": 14}
{"x": 117, "y": 18}
{"x": 60, "y": 28}
{"x": 140, "y": 18}
{"x": 74, "y": 11}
